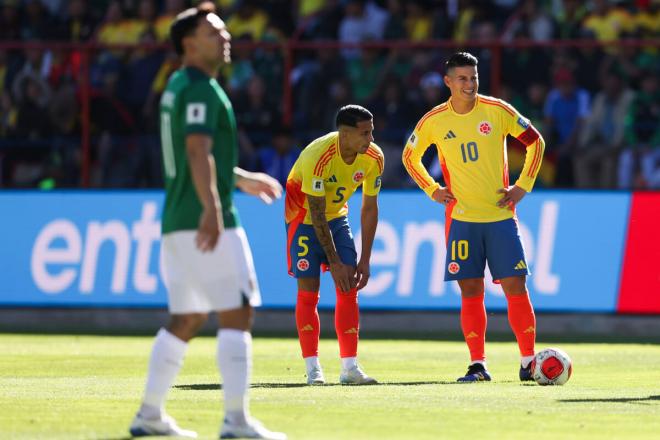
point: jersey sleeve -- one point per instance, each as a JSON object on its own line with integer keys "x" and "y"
{"x": 418, "y": 143}
{"x": 523, "y": 130}
{"x": 312, "y": 174}
{"x": 373, "y": 181}
{"x": 200, "y": 109}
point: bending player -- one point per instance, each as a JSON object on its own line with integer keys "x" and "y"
{"x": 469, "y": 132}
{"x": 325, "y": 176}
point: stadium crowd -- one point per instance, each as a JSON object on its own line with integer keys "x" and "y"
{"x": 597, "y": 106}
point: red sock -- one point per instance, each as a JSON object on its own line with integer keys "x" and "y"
{"x": 473, "y": 324}
{"x": 523, "y": 322}
{"x": 347, "y": 322}
{"x": 307, "y": 321}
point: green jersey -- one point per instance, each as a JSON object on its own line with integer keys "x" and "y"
{"x": 195, "y": 103}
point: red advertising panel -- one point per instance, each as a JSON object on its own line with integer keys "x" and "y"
{"x": 640, "y": 280}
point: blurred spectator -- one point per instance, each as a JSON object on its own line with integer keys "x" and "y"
{"x": 365, "y": 74}
{"x": 392, "y": 112}
{"x": 164, "y": 20}
{"x": 241, "y": 69}
{"x": 248, "y": 19}
{"x": 32, "y": 95}
{"x": 256, "y": 114}
{"x": 566, "y": 109}
{"x": 432, "y": 93}
{"x": 362, "y": 21}
{"x": 639, "y": 164}
{"x": 278, "y": 159}
{"x": 419, "y": 22}
{"x": 569, "y": 20}
{"x": 606, "y": 22}
{"x": 395, "y": 28}
{"x": 37, "y": 22}
{"x": 602, "y": 136}
{"x": 8, "y": 116}
{"x": 10, "y": 23}
{"x": 529, "y": 22}
{"x": 648, "y": 20}
{"x": 78, "y": 25}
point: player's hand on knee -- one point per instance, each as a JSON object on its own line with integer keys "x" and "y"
{"x": 343, "y": 276}
{"x": 209, "y": 230}
{"x": 512, "y": 195}
{"x": 362, "y": 274}
{"x": 443, "y": 195}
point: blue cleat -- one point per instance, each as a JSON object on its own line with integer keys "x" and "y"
{"x": 475, "y": 373}
{"x": 525, "y": 373}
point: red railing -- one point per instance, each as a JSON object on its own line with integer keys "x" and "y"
{"x": 289, "y": 48}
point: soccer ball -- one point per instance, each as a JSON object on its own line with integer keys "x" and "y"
{"x": 551, "y": 366}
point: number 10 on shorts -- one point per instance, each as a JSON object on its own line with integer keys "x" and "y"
{"x": 459, "y": 248}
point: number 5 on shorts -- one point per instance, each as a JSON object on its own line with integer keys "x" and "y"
{"x": 461, "y": 247}
{"x": 301, "y": 242}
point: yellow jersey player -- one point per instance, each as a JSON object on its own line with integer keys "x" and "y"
{"x": 325, "y": 176}
{"x": 469, "y": 132}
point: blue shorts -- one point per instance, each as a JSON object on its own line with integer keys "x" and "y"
{"x": 306, "y": 256}
{"x": 470, "y": 245}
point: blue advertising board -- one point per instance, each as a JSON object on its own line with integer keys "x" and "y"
{"x": 101, "y": 249}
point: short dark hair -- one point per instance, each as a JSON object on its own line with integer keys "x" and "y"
{"x": 352, "y": 114}
{"x": 186, "y": 23}
{"x": 461, "y": 59}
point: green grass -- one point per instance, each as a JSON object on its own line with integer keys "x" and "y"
{"x": 88, "y": 387}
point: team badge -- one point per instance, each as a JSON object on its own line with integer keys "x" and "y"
{"x": 303, "y": 264}
{"x": 453, "y": 268}
{"x": 485, "y": 128}
{"x": 358, "y": 176}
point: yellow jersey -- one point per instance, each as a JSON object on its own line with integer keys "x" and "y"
{"x": 473, "y": 156}
{"x": 321, "y": 171}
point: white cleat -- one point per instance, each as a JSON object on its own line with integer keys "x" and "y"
{"x": 165, "y": 426}
{"x": 315, "y": 376}
{"x": 251, "y": 429}
{"x": 355, "y": 376}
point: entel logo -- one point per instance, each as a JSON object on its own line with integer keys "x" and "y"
{"x": 145, "y": 232}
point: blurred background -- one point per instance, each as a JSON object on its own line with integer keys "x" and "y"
{"x": 80, "y": 82}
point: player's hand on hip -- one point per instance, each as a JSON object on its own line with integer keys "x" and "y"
{"x": 343, "y": 276}
{"x": 209, "y": 230}
{"x": 444, "y": 196}
{"x": 512, "y": 195}
{"x": 362, "y": 274}
{"x": 261, "y": 185}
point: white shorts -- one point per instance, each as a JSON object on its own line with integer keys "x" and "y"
{"x": 223, "y": 279}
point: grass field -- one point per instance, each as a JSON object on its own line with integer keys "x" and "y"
{"x": 88, "y": 387}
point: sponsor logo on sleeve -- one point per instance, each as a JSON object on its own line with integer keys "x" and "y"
{"x": 317, "y": 185}
{"x": 413, "y": 140}
{"x": 524, "y": 123}
{"x": 196, "y": 113}
{"x": 378, "y": 182}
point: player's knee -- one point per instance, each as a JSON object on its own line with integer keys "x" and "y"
{"x": 514, "y": 285}
{"x": 185, "y": 327}
{"x": 309, "y": 284}
{"x": 471, "y": 287}
{"x": 238, "y": 319}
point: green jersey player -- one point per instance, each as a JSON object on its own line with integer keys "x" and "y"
{"x": 206, "y": 258}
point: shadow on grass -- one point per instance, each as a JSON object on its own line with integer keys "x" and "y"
{"x": 215, "y": 386}
{"x": 612, "y": 400}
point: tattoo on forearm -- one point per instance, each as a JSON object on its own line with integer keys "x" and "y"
{"x": 321, "y": 227}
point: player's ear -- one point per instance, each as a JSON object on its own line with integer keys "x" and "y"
{"x": 447, "y": 80}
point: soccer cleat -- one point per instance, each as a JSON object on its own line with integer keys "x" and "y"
{"x": 315, "y": 376}
{"x": 475, "y": 373}
{"x": 355, "y": 376}
{"x": 251, "y": 429}
{"x": 525, "y": 373}
{"x": 165, "y": 426}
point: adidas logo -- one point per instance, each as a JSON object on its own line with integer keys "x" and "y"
{"x": 332, "y": 179}
{"x": 351, "y": 331}
{"x": 450, "y": 135}
{"x": 521, "y": 265}
{"x": 307, "y": 328}
{"x": 471, "y": 335}
{"x": 530, "y": 329}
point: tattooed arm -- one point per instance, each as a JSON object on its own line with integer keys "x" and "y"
{"x": 342, "y": 274}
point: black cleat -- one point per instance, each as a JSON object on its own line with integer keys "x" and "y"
{"x": 475, "y": 373}
{"x": 525, "y": 373}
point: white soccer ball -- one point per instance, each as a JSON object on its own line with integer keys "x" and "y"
{"x": 551, "y": 366}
